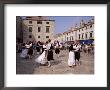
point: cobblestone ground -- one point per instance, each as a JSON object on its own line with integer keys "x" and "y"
{"x": 25, "y": 66}
{"x": 59, "y": 65}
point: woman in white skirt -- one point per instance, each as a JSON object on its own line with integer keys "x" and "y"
{"x": 71, "y": 59}
{"x": 42, "y": 58}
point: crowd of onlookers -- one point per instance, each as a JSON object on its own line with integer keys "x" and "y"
{"x": 88, "y": 48}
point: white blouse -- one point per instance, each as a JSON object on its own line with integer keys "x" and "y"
{"x": 77, "y": 47}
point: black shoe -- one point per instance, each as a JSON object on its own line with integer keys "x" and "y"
{"x": 70, "y": 66}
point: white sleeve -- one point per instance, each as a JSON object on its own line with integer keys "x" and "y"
{"x": 30, "y": 45}
{"x": 47, "y": 47}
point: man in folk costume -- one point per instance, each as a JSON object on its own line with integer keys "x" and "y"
{"x": 38, "y": 47}
{"x": 77, "y": 48}
{"x": 49, "y": 52}
{"x": 57, "y": 49}
{"x": 30, "y": 50}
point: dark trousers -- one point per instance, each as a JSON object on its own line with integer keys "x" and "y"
{"x": 50, "y": 55}
{"x": 77, "y": 56}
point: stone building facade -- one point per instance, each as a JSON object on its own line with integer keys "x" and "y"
{"x": 38, "y": 28}
{"x": 83, "y": 33}
{"x": 19, "y": 31}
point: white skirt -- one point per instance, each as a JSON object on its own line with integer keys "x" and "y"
{"x": 24, "y": 53}
{"x": 71, "y": 58}
{"x": 41, "y": 58}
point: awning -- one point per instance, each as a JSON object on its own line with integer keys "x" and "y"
{"x": 89, "y": 41}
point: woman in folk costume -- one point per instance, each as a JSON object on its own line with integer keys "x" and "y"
{"x": 71, "y": 59}
{"x": 57, "y": 50}
{"x": 42, "y": 58}
{"x": 49, "y": 53}
{"x": 77, "y": 46}
{"x": 24, "y": 51}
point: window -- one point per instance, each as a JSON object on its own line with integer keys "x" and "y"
{"x": 90, "y": 35}
{"x": 47, "y": 29}
{"x": 30, "y": 22}
{"x": 82, "y": 36}
{"x": 30, "y": 29}
{"x": 47, "y": 22}
{"x": 38, "y": 36}
{"x": 30, "y": 36}
{"x": 90, "y": 26}
{"x": 67, "y": 38}
{"x": 72, "y": 37}
{"x": 39, "y": 22}
{"x": 39, "y": 28}
{"x": 47, "y": 36}
{"x": 86, "y": 35}
{"x": 79, "y": 36}
{"x": 82, "y": 29}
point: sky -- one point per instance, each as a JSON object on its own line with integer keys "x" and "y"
{"x": 63, "y": 23}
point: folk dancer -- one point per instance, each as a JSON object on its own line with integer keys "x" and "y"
{"x": 71, "y": 58}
